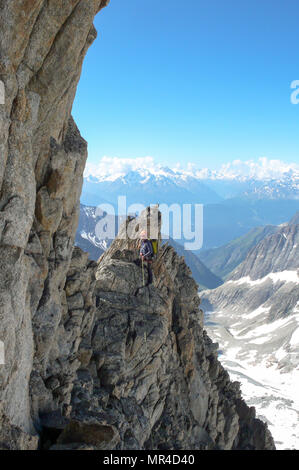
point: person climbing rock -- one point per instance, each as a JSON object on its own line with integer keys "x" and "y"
{"x": 146, "y": 254}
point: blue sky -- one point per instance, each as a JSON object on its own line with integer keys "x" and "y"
{"x": 197, "y": 81}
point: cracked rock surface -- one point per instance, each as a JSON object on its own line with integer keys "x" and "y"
{"x": 42, "y": 158}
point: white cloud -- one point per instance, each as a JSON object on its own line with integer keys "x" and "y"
{"x": 114, "y": 167}
{"x": 262, "y": 169}
{"x": 110, "y": 168}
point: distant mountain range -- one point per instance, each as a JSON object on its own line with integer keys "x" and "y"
{"x": 171, "y": 187}
{"x": 155, "y": 183}
{"x": 147, "y": 188}
{"x": 233, "y": 203}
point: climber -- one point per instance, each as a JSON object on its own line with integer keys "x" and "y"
{"x": 146, "y": 255}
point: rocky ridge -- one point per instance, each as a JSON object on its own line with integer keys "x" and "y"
{"x": 87, "y": 240}
{"x": 90, "y": 361}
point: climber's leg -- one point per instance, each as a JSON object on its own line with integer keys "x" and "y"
{"x": 150, "y": 274}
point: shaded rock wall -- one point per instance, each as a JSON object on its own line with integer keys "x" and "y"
{"x": 42, "y": 157}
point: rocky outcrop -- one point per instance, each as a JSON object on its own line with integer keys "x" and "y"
{"x": 154, "y": 378}
{"x": 92, "y": 358}
{"x": 87, "y": 240}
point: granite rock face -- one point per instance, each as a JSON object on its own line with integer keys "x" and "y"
{"x": 42, "y": 157}
{"x": 92, "y": 358}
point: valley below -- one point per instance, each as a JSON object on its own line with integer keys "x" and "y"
{"x": 263, "y": 358}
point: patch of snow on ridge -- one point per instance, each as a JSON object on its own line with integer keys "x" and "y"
{"x": 268, "y": 327}
{"x": 256, "y": 312}
{"x": 261, "y": 340}
{"x": 283, "y": 276}
{"x": 94, "y": 240}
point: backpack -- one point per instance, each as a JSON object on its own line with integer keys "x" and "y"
{"x": 155, "y": 246}
{"x": 147, "y": 249}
